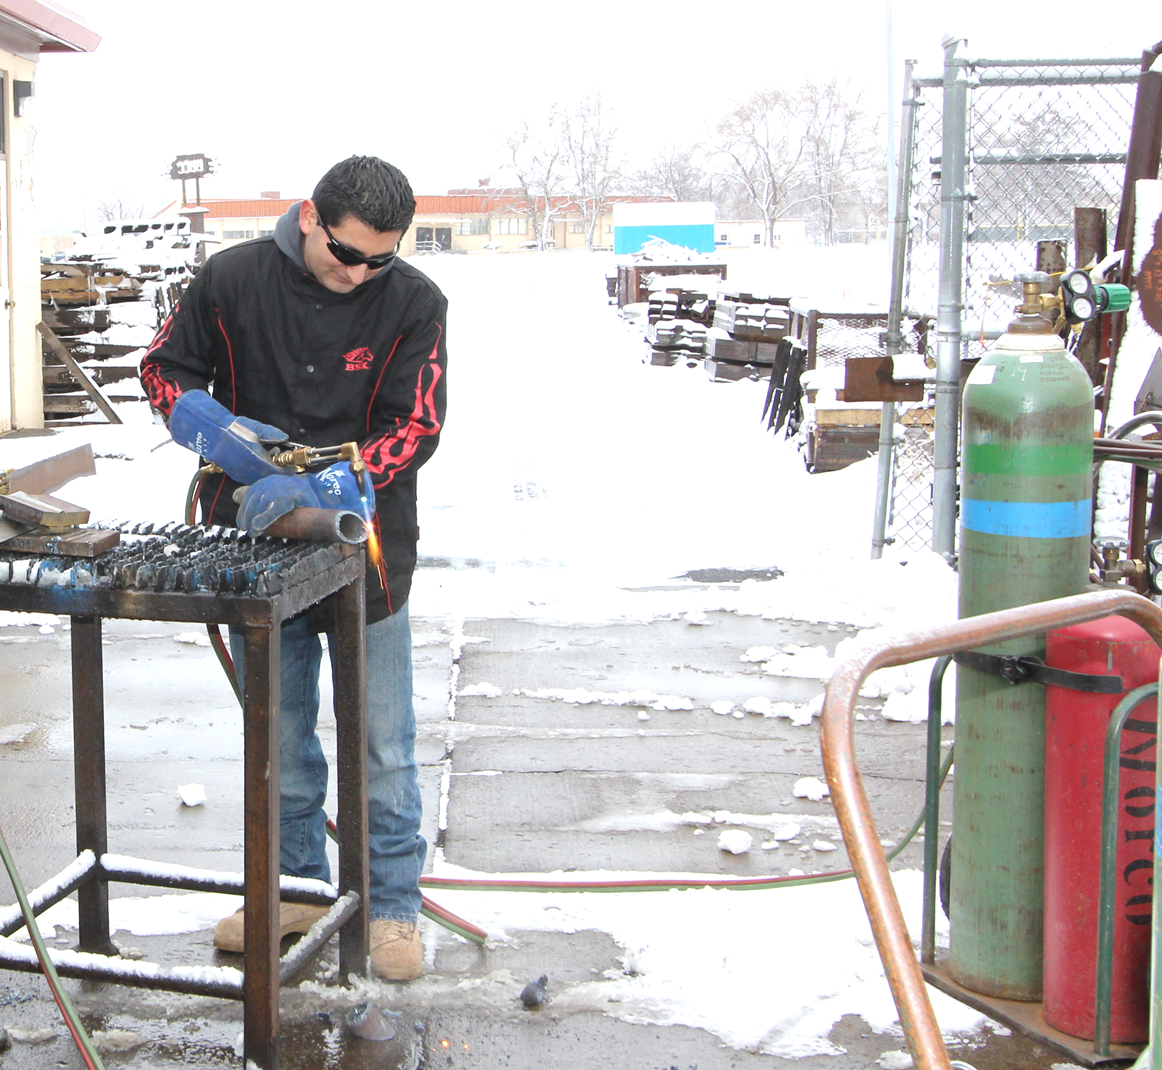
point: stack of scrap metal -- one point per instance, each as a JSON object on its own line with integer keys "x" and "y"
{"x": 33, "y": 521}
{"x": 68, "y": 285}
{"x": 672, "y": 340}
{"x": 96, "y": 320}
{"x": 679, "y": 311}
{"x": 748, "y": 328}
{"x": 662, "y": 305}
{"x": 695, "y": 299}
{"x": 102, "y": 306}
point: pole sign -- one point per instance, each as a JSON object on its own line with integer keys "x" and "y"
{"x": 197, "y": 165}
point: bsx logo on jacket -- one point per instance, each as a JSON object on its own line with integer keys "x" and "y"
{"x": 358, "y": 360}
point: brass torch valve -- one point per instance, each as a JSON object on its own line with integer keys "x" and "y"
{"x": 1035, "y": 302}
{"x": 1115, "y": 568}
{"x": 300, "y": 458}
{"x": 1078, "y": 300}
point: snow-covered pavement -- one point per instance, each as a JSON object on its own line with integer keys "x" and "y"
{"x": 573, "y": 490}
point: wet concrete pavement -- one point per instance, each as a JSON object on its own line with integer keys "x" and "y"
{"x": 513, "y": 783}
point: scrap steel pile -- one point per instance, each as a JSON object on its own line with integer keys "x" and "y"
{"x": 182, "y": 558}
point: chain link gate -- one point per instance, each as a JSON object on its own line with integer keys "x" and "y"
{"x": 1041, "y": 138}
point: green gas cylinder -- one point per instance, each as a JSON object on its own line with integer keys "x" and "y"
{"x": 1025, "y": 521}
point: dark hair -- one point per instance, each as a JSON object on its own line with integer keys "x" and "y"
{"x": 373, "y": 191}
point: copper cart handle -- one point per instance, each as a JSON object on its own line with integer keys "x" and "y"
{"x": 851, "y": 802}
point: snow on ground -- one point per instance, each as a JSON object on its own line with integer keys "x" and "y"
{"x": 773, "y": 972}
{"x": 576, "y": 484}
{"x": 770, "y": 971}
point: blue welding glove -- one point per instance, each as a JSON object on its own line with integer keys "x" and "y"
{"x": 261, "y": 504}
{"x": 335, "y": 487}
{"x": 236, "y": 444}
{"x": 340, "y": 488}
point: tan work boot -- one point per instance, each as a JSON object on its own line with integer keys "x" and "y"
{"x": 396, "y": 951}
{"x": 292, "y": 918}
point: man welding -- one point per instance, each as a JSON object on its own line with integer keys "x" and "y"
{"x": 321, "y": 334}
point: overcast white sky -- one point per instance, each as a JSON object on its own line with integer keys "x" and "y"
{"x": 276, "y": 92}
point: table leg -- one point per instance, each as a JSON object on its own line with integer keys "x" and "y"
{"x": 351, "y": 753}
{"x": 261, "y": 762}
{"x": 89, "y": 780}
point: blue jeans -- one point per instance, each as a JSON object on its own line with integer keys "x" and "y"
{"x": 396, "y": 847}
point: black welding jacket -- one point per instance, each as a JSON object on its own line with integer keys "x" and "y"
{"x": 275, "y": 345}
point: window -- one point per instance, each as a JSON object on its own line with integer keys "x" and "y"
{"x": 228, "y": 235}
{"x": 758, "y": 239}
{"x": 723, "y": 239}
{"x": 576, "y": 228}
{"x": 471, "y": 226}
{"x": 512, "y": 224}
{"x": 266, "y": 233}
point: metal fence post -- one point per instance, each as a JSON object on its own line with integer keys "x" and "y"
{"x": 895, "y": 340}
{"x": 949, "y": 308}
{"x": 1043, "y": 135}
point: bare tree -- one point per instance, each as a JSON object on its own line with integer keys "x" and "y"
{"x": 812, "y": 150}
{"x": 118, "y": 206}
{"x": 538, "y": 165}
{"x": 676, "y": 172}
{"x": 841, "y": 172}
{"x": 760, "y": 146}
{"x": 587, "y": 137}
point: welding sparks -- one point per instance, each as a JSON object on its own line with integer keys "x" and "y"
{"x": 373, "y": 551}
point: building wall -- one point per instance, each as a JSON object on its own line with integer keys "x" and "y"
{"x": 688, "y": 224}
{"x": 787, "y": 233}
{"x": 503, "y": 232}
{"x": 470, "y": 232}
{"x": 21, "y": 273}
{"x": 696, "y": 236}
{"x": 235, "y": 231}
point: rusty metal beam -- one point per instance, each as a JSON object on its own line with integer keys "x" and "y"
{"x": 89, "y": 780}
{"x": 261, "y": 843}
{"x": 79, "y": 373}
{"x": 1143, "y": 161}
{"x": 851, "y": 801}
{"x": 350, "y": 681}
{"x": 43, "y": 477}
{"x": 320, "y": 525}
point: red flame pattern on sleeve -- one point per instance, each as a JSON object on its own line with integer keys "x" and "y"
{"x": 390, "y": 454}
{"x": 162, "y": 392}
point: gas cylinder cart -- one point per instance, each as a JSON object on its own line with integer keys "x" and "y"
{"x": 907, "y": 975}
{"x": 1042, "y": 721}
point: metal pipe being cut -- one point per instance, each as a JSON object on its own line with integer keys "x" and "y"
{"x": 320, "y": 525}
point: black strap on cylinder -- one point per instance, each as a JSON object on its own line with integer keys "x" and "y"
{"x": 1018, "y": 668}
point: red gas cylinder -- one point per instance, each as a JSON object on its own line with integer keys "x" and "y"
{"x": 1076, "y": 723}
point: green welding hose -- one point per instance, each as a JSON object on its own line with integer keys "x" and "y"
{"x": 217, "y": 643}
{"x": 192, "y": 494}
{"x": 728, "y": 883}
{"x": 474, "y": 935}
{"x": 72, "y": 1019}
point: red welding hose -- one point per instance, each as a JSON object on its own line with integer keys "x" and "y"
{"x": 658, "y": 884}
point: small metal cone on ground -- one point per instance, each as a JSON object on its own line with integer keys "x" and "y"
{"x": 368, "y": 1022}
{"x": 533, "y": 993}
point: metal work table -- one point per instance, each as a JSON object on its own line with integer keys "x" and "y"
{"x": 211, "y": 576}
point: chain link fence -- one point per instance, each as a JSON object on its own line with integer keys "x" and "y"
{"x": 1042, "y": 137}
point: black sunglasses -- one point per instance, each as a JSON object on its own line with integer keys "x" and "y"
{"x": 346, "y": 255}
